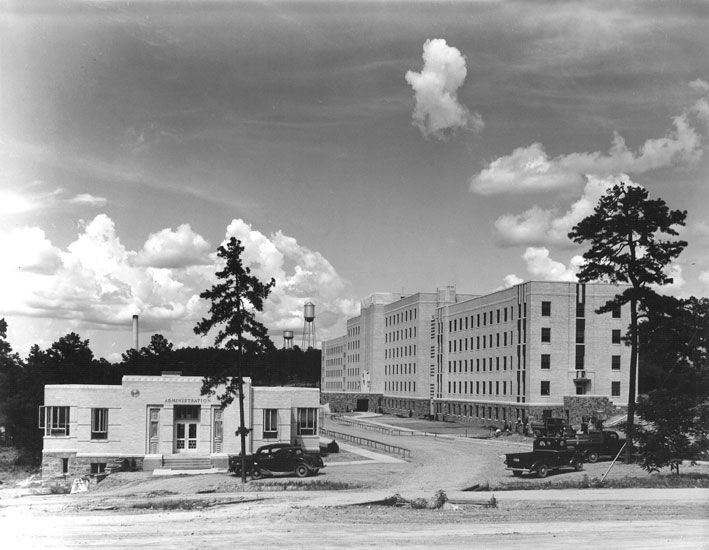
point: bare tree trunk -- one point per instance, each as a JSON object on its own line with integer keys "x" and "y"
{"x": 242, "y": 427}
{"x": 633, "y": 376}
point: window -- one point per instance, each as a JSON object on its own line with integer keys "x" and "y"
{"x": 615, "y": 336}
{"x": 580, "y": 352}
{"x": 616, "y": 312}
{"x": 307, "y": 421}
{"x": 54, "y": 420}
{"x": 546, "y": 309}
{"x": 615, "y": 362}
{"x": 545, "y": 387}
{"x": 546, "y": 361}
{"x": 99, "y": 424}
{"x": 270, "y": 423}
{"x": 98, "y": 467}
{"x": 546, "y": 334}
{"x": 580, "y": 330}
{"x": 615, "y": 389}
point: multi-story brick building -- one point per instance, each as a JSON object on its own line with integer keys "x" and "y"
{"x": 536, "y": 349}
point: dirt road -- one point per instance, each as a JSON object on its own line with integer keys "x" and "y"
{"x": 287, "y": 522}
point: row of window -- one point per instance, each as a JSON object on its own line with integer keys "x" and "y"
{"x": 461, "y": 365}
{"x": 405, "y": 368}
{"x": 546, "y": 335}
{"x": 401, "y": 334}
{"x": 483, "y": 319}
{"x": 484, "y": 387}
{"x": 481, "y": 342}
{"x": 545, "y": 362}
{"x": 400, "y": 351}
{"x": 545, "y": 388}
{"x": 400, "y": 385}
{"x": 55, "y": 421}
{"x": 333, "y": 350}
{"x": 401, "y": 317}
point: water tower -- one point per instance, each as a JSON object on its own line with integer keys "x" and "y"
{"x": 308, "y": 326}
{"x": 287, "y": 339}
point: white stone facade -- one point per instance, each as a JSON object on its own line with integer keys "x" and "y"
{"x": 513, "y": 353}
{"x": 148, "y": 419}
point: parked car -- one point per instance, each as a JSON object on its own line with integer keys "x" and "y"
{"x": 278, "y": 458}
{"x": 548, "y": 454}
{"x": 601, "y": 443}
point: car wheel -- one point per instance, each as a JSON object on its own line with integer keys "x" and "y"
{"x": 256, "y": 474}
{"x": 516, "y": 473}
{"x": 542, "y": 470}
{"x": 592, "y": 457}
{"x": 301, "y": 470}
{"x": 578, "y": 465}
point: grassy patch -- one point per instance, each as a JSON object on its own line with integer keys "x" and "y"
{"x": 15, "y": 466}
{"x": 299, "y": 485}
{"x": 668, "y": 481}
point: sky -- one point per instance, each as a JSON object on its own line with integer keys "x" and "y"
{"x": 353, "y": 147}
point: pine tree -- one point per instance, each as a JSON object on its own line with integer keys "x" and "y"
{"x": 624, "y": 232}
{"x": 234, "y": 303}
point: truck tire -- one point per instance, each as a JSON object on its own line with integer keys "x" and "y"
{"x": 301, "y": 470}
{"x": 256, "y": 474}
{"x": 542, "y": 470}
{"x": 592, "y": 457}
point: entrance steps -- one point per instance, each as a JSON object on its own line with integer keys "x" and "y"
{"x": 187, "y": 463}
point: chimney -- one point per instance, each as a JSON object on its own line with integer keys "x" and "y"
{"x": 135, "y": 333}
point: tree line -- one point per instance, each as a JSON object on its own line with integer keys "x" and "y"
{"x": 70, "y": 360}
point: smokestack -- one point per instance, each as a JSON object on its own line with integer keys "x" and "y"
{"x": 135, "y": 333}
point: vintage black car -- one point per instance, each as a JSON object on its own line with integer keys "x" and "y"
{"x": 548, "y": 454}
{"x": 278, "y": 458}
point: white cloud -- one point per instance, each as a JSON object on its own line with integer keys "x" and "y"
{"x": 541, "y": 266}
{"x": 174, "y": 249}
{"x": 301, "y": 275}
{"x": 437, "y": 111}
{"x": 88, "y": 200}
{"x": 96, "y": 283}
{"x": 678, "y": 281}
{"x": 510, "y": 281}
{"x": 538, "y": 226}
{"x": 529, "y": 169}
{"x": 701, "y": 110}
{"x": 704, "y": 278}
{"x": 699, "y": 85}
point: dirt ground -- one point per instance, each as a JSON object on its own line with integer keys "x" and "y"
{"x": 216, "y": 511}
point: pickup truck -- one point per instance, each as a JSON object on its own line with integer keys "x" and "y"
{"x": 548, "y": 454}
{"x": 596, "y": 444}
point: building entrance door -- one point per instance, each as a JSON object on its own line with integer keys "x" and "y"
{"x": 186, "y": 422}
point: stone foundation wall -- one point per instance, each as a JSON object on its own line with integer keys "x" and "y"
{"x": 406, "y": 407}
{"x": 581, "y": 405}
{"x": 53, "y": 464}
{"x": 345, "y": 402}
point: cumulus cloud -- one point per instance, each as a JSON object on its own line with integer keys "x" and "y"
{"x": 704, "y": 278}
{"x": 88, "y": 200}
{"x": 301, "y": 275}
{"x": 541, "y": 266}
{"x": 510, "y": 281}
{"x": 97, "y": 283}
{"x": 699, "y": 85}
{"x": 174, "y": 249}
{"x": 530, "y": 169}
{"x": 437, "y": 111}
{"x": 539, "y": 226}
